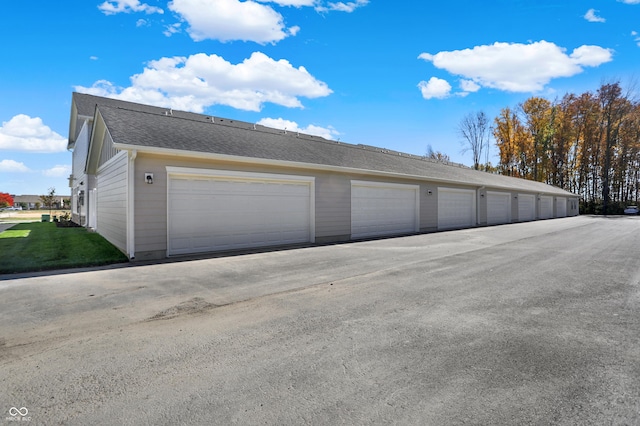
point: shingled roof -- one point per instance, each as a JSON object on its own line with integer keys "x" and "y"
{"x": 143, "y": 127}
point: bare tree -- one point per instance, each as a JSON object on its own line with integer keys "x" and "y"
{"x": 475, "y": 130}
{"x": 437, "y": 155}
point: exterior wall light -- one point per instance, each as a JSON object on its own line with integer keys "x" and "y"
{"x": 148, "y": 178}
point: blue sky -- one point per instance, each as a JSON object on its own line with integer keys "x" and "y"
{"x": 399, "y": 75}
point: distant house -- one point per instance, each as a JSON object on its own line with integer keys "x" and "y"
{"x": 31, "y": 201}
{"x": 157, "y": 182}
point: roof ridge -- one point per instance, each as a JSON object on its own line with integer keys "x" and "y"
{"x": 227, "y": 122}
{"x": 168, "y": 111}
{"x": 196, "y": 134}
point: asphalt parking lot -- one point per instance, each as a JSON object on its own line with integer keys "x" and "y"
{"x": 532, "y": 323}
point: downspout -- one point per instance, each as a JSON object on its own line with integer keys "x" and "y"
{"x": 131, "y": 243}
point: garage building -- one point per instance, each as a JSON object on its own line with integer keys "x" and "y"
{"x": 157, "y": 182}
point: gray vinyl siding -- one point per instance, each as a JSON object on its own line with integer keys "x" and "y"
{"x": 151, "y": 204}
{"x": 79, "y": 161}
{"x": 333, "y": 207}
{"x": 112, "y": 201}
{"x": 481, "y": 207}
{"x": 428, "y": 207}
{"x": 514, "y": 207}
{"x": 79, "y": 156}
{"x": 332, "y": 199}
{"x": 108, "y": 150}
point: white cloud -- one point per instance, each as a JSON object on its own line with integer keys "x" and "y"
{"x": 227, "y": 20}
{"x": 58, "y": 171}
{"x": 172, "y": 29}
{"x": 516, "y": 67}
{"x": 343, "y": 7}
{"x": 469, "y": 86}
{"x": 294, "y": 3}
{"x": 294, "y": 30}
{"x": 630, "y": 1}
{"x": 590, "y": 56}
{"x": 127, "y": 6}
{"x": 292, "y": 126}
{"x": 23, "y": 133}
{"x": 435, "y": 88}
{"x": 592, "y": 17}
{"x": 11, "y": 166}
{"x": 196, "y": 82}
{"x": 636, "y": 38}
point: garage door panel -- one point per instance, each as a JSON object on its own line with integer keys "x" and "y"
{"x": 379, "y": 209}
{"x": 498, "y": 207}
{"x": 220, "y": 213}
{"x": 561, "y": 207}
{"x": 546, "y": 207}
{"x": 526, "y": 207}
{"x": 456, "y": 208}
{"x": 181, "y": 243}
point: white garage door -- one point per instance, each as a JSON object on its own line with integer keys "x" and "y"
{"x": 526, "y": 207}
{"x": 561, "y": 207}
{"x": 498, "y": 207}
{"x": 221, "y": 210}
{"x": 546, "y": 207}
{"x": 456, "y": 208}
{"x": 379, "y": 209}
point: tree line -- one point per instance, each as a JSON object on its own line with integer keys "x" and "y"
{"x": 588, "y": 144}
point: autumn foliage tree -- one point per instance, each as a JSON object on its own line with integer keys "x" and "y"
{"x": 510, "y": 136}
{"x": 6, "y": 200}
{"x": 588, "y": 144}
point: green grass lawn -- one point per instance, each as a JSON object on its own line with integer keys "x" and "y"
{"x": 39, "y": 246}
